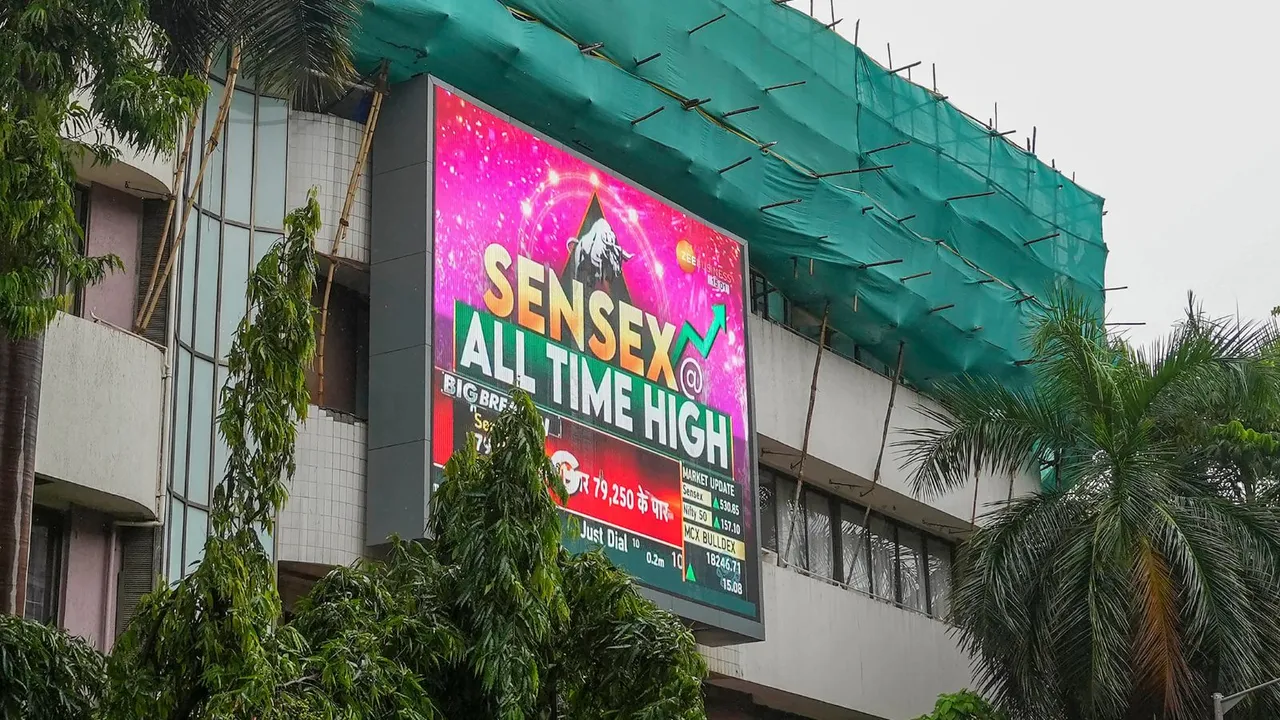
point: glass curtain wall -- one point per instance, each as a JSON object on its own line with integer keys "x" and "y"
{"x": 237, "y": 217}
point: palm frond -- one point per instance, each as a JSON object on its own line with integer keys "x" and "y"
{"x": 1158, "y": 648}
{"x": 982, "y": 426}
{"x": 1075, "y": 355}
{"x": 298, "y": 48}
{"x": 193, "y": 31}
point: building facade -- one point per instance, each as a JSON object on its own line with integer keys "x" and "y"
{"x": 855, "y": 569}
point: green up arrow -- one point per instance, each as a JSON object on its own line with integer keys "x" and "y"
{"x": 688, "y": 574}
{"x": 701, "y": 343}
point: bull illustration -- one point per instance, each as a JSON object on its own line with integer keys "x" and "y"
{"x": 596, "y": 258}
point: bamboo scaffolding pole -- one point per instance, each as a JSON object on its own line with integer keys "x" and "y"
{"x": 344, "y": 222}
{"x": 179, "y": 177}
{"x": 884, "y": 436}
{"x": 808, "y": 426}
{"x": 224, "y": 108}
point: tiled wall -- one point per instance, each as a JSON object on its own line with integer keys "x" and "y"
{"x": 322, "y": 151}
{"x": 323, "y": 522}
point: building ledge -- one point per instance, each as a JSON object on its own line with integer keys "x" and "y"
{"x": 101, "y": 406}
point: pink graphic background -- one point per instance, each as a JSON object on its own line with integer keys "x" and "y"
{"x": 495, "y": 182}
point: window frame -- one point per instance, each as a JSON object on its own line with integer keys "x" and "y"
{"x": 836, "y": 508}
{"x": 207, "y": 242}
{"x": 54, "y": 562}
{"x": 761, "y": 292}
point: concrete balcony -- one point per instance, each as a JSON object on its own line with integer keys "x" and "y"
{"x": 101, "y": 408}
{"x": 835, "y": 654}
{"x": 133, "y": 172}
{"x": 848, "y": 422}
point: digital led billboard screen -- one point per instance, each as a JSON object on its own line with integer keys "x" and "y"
{"x": 623, "y": 317}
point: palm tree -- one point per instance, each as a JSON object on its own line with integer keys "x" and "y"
{"x": 1141, "y": 579}
{"x": 298, "y": 49}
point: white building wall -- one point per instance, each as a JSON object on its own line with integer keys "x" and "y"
{"x": 848, "y": 422}
{"x": 323, "y": 521}
{"x": 828, "y": 648}
{"x": 322, "y": 151}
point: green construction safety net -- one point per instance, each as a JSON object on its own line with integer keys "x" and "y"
{"x": 981, "y": 230}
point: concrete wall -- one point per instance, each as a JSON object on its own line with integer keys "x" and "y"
{"x": 322, "y": 151}
{"x": 323, "y": 522}
{"x": 100, "y": 417}
{"x": 829, "y": 648}
{"x": 133, "y": 171}
{"x": 848, "y": 421}
{"x": 89, "y": 591}
{"x": 115, "y": 228}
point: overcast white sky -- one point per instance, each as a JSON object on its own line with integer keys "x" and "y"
{"x": 1169, "y": 112}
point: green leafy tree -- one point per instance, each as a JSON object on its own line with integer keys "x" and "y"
{"x": 51, "y": 52}
{"x": 1238, "y": 424}
{"x": 491, "y": 617}
{"x": 964, "y": 705}
{"x": 46, "y": 674}
{"x": 212, "y": 645}
{"x": 1138, "y": 582}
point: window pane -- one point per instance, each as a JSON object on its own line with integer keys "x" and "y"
{"x": 273, "y": 142}
{"x": 939, "y": 578}
{"x": 220, "y": 450}
{"x": 777, "y": 310}
{"x": 239, "y": 188}
{"x": 187, "y": 307}
{"x": 853, "y": 545}
{"x": 176, "y": 523}
{"x": 42, "y": 570}
{"x": 244, "y": 79}
{"x": 883, "y": 552}
{"x": 201, "y": 432}
{"x": 207, "y": 285}
{"x": 792, "y": 552}
{"x": 181, "y": 414}
{"x": 197, "y": 531}
{"x": 768, "y": 512}
{"x": 818, "y": 532}
{"x": 262, "y": 243}
{"x": 911, "y": 568}
{"x": 268, "y": 545}
{"x": 211, "y": 188}
{"x": 757, "y": 293}
{"x": 219, "y": 67}
{"x": 235, "y": 279}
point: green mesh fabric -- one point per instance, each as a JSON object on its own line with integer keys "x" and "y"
{"x": 956, "y": 200}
